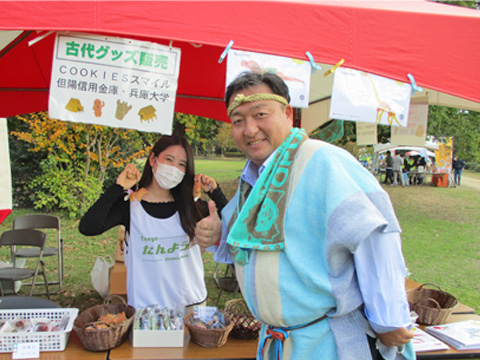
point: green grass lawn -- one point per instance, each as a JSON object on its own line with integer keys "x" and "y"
{"x": 440, "y": 240}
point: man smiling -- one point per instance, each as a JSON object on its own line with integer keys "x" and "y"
{"x": 313, "y": 237}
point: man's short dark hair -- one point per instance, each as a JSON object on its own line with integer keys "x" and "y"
{"x": 249, "y": 79}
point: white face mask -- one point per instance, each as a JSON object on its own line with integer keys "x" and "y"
{"x": 168, "y": 176}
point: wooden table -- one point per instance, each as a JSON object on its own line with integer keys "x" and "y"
{"x": 233, "y": 349}
{"x": 452, "y": 353}
{"x": 246, "y": 349}
{"x": 73, "y": 351}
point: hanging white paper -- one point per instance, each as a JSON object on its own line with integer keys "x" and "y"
{"x": 366, "y": 133}
{"x": 360, "y": 96}
{"x": 416, "y": 130}
{"x": 5, "y": 173}
{"x": 295, "y": 73}
{"x": 114, "y": 81}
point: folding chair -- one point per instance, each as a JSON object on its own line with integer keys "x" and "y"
{"x": 226, "y": 282}
{"x": 20, "y": 238}
{"x": 41, "y": 222}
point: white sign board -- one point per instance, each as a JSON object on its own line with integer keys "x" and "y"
{"x": 366, "y": 133}
{"x": 295, "y": 73}
{"x": 360, "y": 96}
{"x": 5, "y": 173}
{"x": 114, "y": 81}
{"x": 415, "y": 132}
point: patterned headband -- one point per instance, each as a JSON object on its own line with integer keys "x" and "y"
{"x": 242, "y": 99}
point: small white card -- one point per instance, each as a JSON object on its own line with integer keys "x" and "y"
{"x": 204, "y": 313}
{"x": 26, "y": 351}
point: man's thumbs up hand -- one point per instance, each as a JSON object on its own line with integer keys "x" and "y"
{"x": 209, "y": 230}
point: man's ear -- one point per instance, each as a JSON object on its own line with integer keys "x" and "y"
{"x": 290, "y": 113}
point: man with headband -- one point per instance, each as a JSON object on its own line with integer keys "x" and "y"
{"x": 313, "y": 237}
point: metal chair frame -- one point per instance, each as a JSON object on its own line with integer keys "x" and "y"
{"x": 40, "y": 222}
{"x": 222, "y": 282}
{"x": 19, "y": 238}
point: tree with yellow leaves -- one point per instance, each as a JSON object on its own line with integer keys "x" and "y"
{"x": 78, "y": 157}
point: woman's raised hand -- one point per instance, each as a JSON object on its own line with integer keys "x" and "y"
{"x": 128, "y": 177}
{"x": 208, "y": 184}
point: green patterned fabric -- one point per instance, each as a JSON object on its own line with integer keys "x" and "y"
{"x": 257, "y": 222}
{"x": 329, "y": 133}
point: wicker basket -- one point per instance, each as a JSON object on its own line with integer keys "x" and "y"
{"x": 111, "y": 337}
{"x": 433, "y": 306}
{"x": 207, "y": 337}
{"x": 245, "y": 326}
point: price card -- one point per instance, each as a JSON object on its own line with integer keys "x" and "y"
{"x": 26, "y": 351}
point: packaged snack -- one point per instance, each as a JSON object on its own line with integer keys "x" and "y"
{"x": 41, "y": 325}
{"x": 21, "y": 325}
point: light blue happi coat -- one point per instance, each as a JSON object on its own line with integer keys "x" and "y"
{"x": 334, "y": 204}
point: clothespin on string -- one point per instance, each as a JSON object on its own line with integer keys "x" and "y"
{"x": 225, "y": 52}
{"x": 414, "y": 84}
{"x": 312, "y": 62}
{"x": 38, "y": 38}
{"x": 335, "y": 67}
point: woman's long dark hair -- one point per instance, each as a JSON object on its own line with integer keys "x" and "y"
{"x": 183, "y": 192}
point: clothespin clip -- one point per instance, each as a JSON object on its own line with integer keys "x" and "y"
{"x": 170, "y": 44}
{"x": 414, "y": 84}
{"x": 41, "y": 37}
{"x": 335, "y": 67}
{"x": 312, "y": 62}
{"x": 225, "y": 52}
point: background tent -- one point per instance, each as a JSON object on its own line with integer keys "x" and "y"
{"x": 437, "y": 43}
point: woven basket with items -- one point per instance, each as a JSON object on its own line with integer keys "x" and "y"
{"x": 433, "y": 306}
{"x": 104, "y": 327}
{"x": 245, "y": 326}
{"x": 207, "y": 337}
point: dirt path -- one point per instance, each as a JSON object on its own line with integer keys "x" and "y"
{"x": 470, "y": 182}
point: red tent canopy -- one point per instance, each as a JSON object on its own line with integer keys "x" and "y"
{"x": 438, "y": 44}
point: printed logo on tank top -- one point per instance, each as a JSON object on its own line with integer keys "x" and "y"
{"x": 164, "y": 249}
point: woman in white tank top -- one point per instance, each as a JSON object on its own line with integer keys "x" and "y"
{"x": 164, "y": 263}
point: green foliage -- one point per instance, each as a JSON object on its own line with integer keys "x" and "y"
{"x": 61, "y": 188}
{"x": 198, "y": 130}
{"x": 462, "y": 125}
{"x": 23, "y": 164}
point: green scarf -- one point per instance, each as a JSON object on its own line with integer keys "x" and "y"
{"x": 258, "y": 220}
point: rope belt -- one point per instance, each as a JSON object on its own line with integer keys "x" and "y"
{"x": 279, "y": 334}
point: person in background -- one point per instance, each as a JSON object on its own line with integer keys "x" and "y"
{"x": 398, "y": 170}
{"x": 313, "y": 236}
{"x": 458, "y": 166}
{"x": 389, "y": 168}
{"x": 421, "y": 168}
{"x": 164, "y": 263}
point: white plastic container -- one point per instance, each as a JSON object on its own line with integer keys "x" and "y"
{"x": 49, "y": 340}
